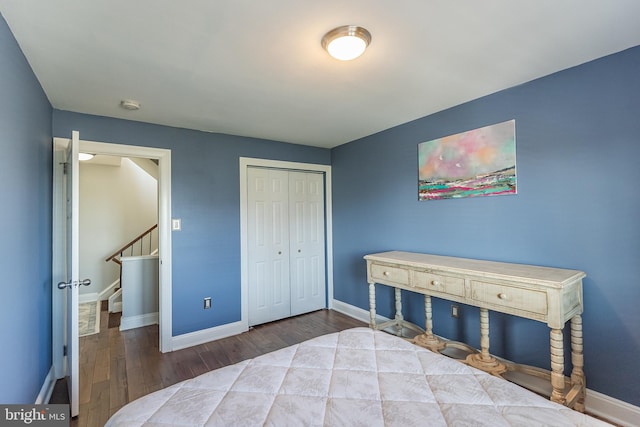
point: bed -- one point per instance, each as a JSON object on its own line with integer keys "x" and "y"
{"x": 355, "y": 377}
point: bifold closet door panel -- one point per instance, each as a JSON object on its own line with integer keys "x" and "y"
{"x": 306, "y": 242}
{"x": 268, "y": 245}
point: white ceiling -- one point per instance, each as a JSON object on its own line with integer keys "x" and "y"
{"x": 256, "y": 68}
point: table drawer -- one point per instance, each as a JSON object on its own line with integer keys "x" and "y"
{"x": 511, "y": 297}
{"x": 385, "y": 274}
{"x": 438, "y": 283}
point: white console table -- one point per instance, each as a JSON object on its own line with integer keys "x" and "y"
{"x": 549, "y": 295}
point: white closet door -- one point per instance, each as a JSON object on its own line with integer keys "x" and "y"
{"x": 268, "y": 245}
{"x": 306, "y": 234}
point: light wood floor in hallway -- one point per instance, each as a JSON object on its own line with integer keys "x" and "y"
{"x": 118, "y": 367}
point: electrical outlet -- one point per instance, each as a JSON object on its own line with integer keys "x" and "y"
{"x": 207, "y": 303}
{"x": 455, "y": 311}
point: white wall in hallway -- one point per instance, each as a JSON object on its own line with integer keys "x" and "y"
{"x": 117, "y": 203}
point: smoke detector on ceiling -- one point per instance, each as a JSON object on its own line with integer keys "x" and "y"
{"x": 130, "y": 104}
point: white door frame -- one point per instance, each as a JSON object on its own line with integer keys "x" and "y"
{"x": 58, "y": 263}
{"x": 164, "y": 239}
{"x": 245, "y": 163}
{"x": 64, "y": 265}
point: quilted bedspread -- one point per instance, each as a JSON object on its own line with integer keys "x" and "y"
{"x": 358, "y": 377}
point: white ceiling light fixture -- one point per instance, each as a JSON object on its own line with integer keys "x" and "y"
{"x": 346, "y": 42}
{"x": 83, "y": 157}
{"x": 130, "y": 104}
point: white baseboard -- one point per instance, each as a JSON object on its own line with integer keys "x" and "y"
{"x": 355, "y": 312}
{"x": 116, "y": 307}
{"x": 108, "y": 290}
{"x": 200, "y": 337}
{"x": 47, "y": 388}
{"x": 115, "y": 301}
{"x": 611, "y": 409}
{"x": 98, "y": 296}
{"x": 90, "y": 297}
{"x": 598, "y": 404}
{"x": 131, "y": 322}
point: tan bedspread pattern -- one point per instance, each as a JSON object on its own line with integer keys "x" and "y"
{"x": 358, "y": 377}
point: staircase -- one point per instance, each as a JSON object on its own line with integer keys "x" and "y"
{"x": 141, "y": 245}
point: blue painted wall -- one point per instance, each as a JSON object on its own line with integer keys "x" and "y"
{"x": 206, "y": 196}
{"x": 578, "y": 151}
{"x": 25, "y": 226}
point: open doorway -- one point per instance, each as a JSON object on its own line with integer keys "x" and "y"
{"x": 118, "y": 241}
{"x": 163, "y": 158}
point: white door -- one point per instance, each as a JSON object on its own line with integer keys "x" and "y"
{"x": 66, "y": 253}
{"x": 306, "y": 225}
{"x": 285, "y": 234}
{"x": 268, "y": 245}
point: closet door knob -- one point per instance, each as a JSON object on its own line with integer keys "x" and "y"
{"x": 279, "y": 252}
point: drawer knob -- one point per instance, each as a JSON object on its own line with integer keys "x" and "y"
{"x": 386, "y": 273}
{"x": 502, "y": 296}
{"x": 435, "y": 283}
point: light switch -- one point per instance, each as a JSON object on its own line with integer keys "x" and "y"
{"x": 176, "y": 224}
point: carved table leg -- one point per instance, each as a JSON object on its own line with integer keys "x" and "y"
{"x": 577, "y": 359}
{"x": 484, "y": 360}
{"x": 557, "y": 366}
{"x": 372, "y": 305}
{"x": 399, "y": 318}
{"x": 427, "y": 339}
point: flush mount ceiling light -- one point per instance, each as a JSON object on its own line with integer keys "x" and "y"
{"x": 84, "y": 156}
{"x": 130, "y": 104}
{"x": 347, "y": 42}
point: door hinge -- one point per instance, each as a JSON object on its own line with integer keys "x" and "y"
{"x": 64, "y": 168}
{"x": 64, "y": 351}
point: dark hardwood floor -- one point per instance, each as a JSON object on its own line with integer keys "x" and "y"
{"x": 118, "y": 367}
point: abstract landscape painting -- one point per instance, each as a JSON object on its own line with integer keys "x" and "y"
{"x": 480, "y": 162}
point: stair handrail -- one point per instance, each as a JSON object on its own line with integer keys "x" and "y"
{"x": 128, "y": 245}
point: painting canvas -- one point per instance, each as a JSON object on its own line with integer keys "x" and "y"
{"x": 480, "y": 162}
